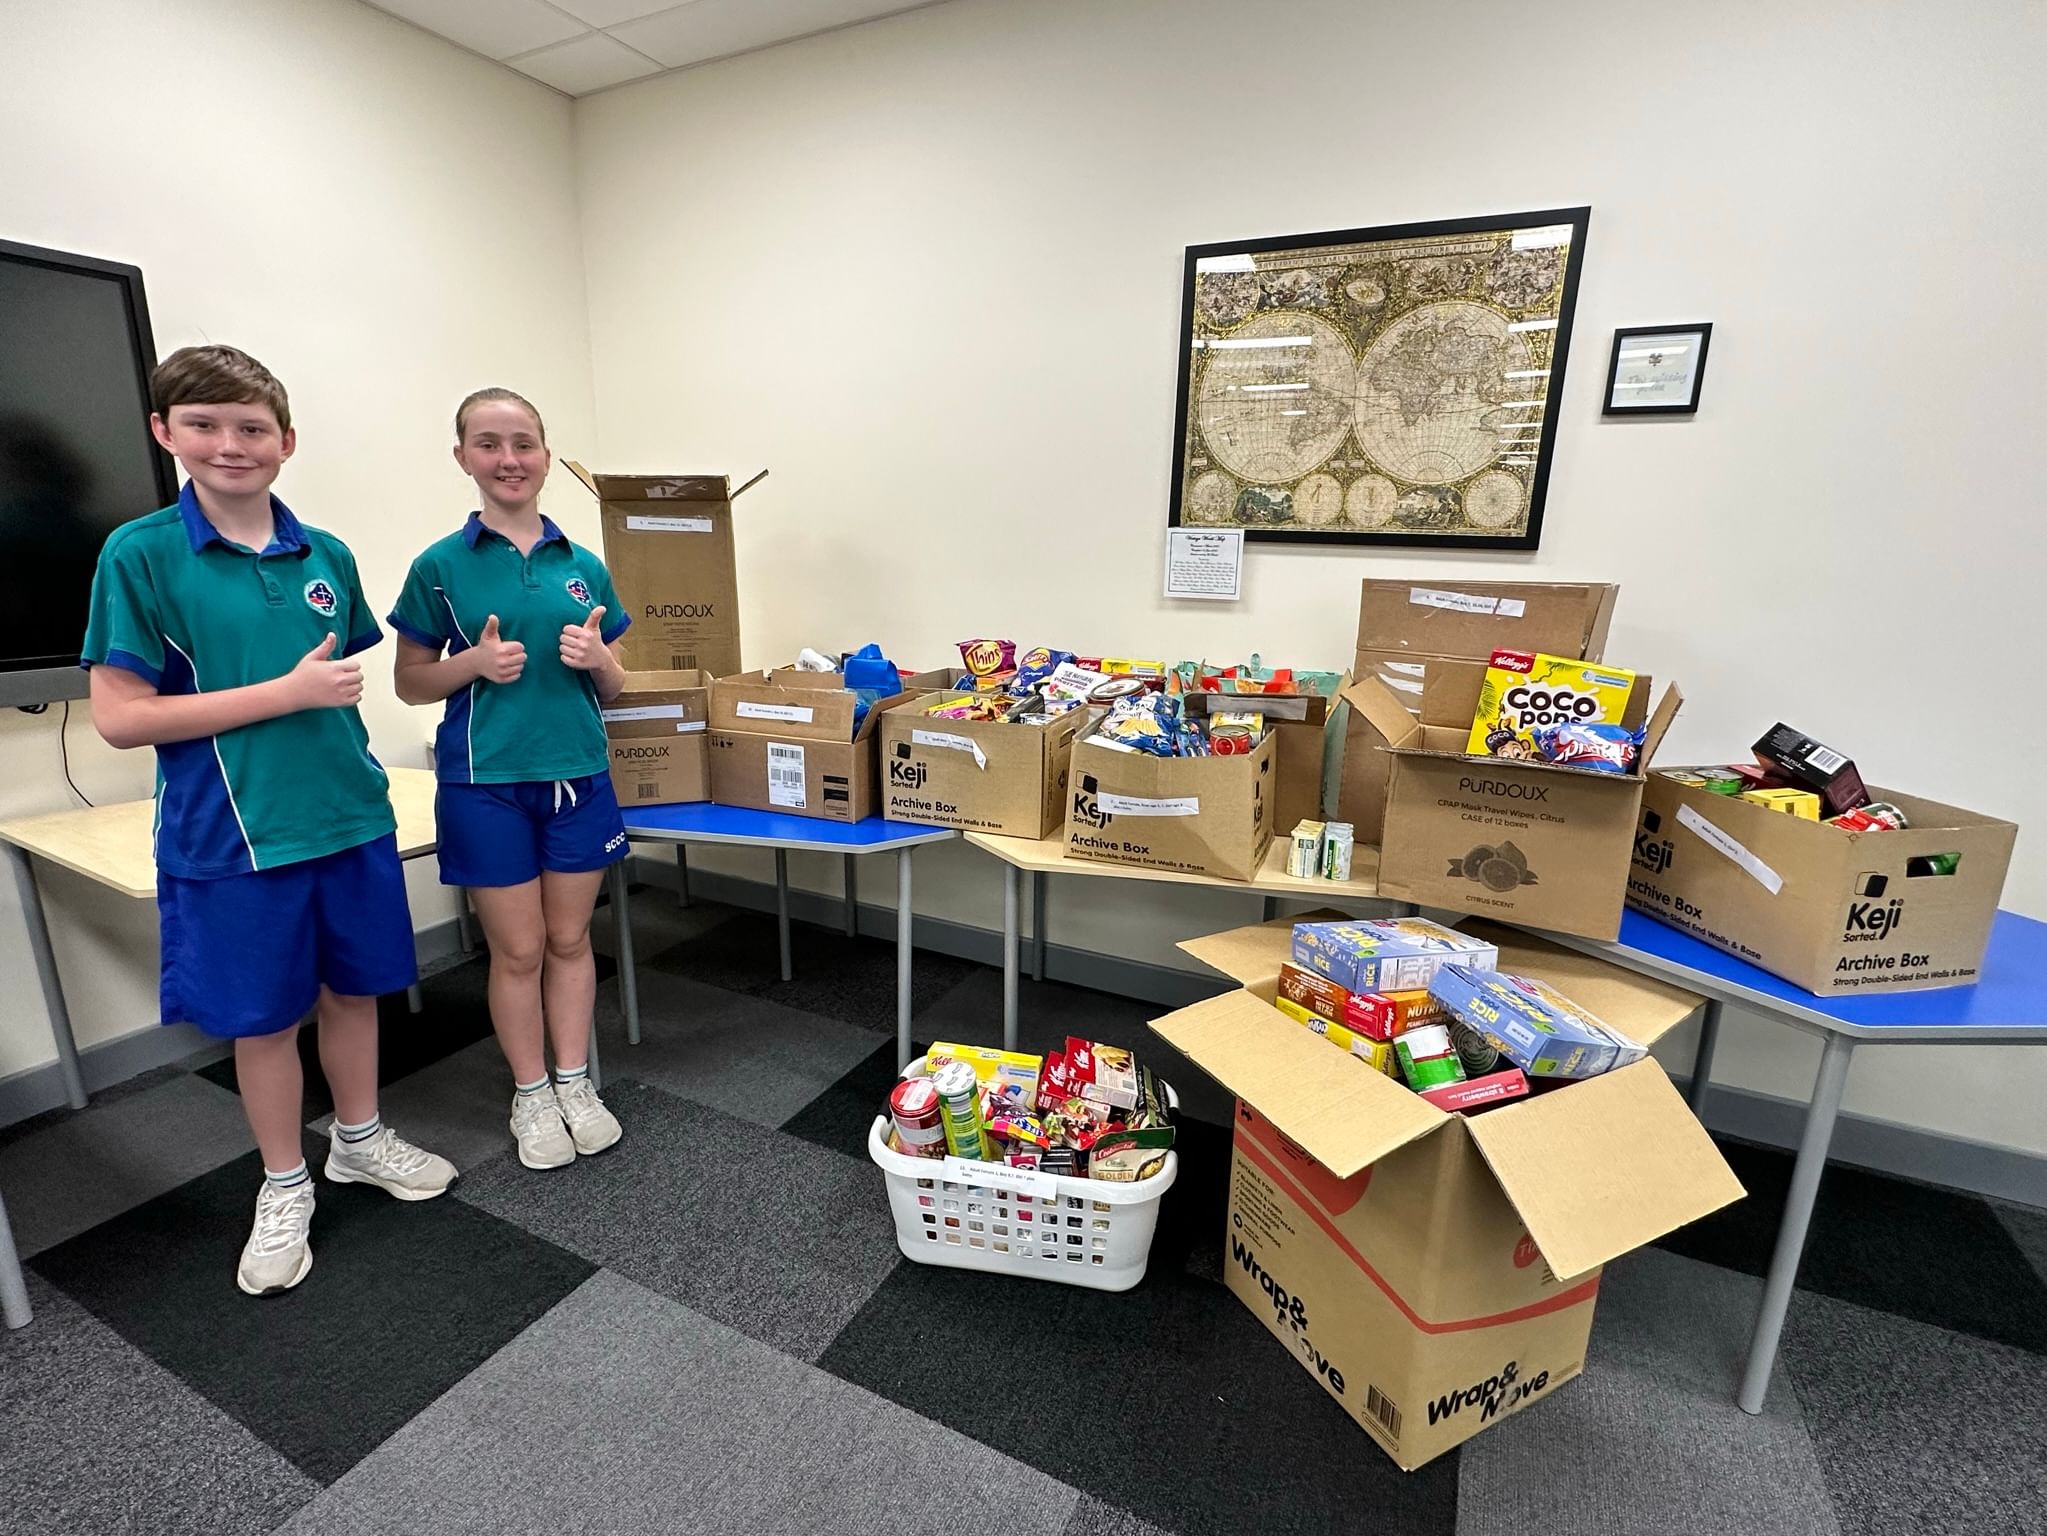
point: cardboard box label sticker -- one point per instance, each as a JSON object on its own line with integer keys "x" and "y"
{"x": 952, "y": 743}
{"x": 793, "y": 714}
{"x": 1720, "y": 842}
{"x": 785, "y": 776}
{"x": 669, "y": 524}
{"x": 656, "y": 712}
{"x": 1467, "y": 602}
{"x": 1142, "y": 805}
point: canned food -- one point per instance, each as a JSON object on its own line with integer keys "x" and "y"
{"x": 1427, "y": 1058}
{"x": 914, "y": 1106}
{"x": 1115, "y": 688}
{"x": 959, "y": 1104}
{"x": 1476, "y": 1054}
{"x": 1230, "y": 740}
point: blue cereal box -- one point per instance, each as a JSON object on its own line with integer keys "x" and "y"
{"x": 1397, "y": 954}
{"x": 1532, "y": 1024}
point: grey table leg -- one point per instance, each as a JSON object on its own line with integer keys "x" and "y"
{"x": 596, "y": 1070}
{"x": 904, "y": 916}
{"x": 628, "y": 975}
{"x": 46, "y": 972}
{"x": 465, "y": 927}
{"x": 682, "y": 875}
{"x": 1702, "y": 1063}
{"x": 1012, "y": 881}
{"x": 782, "y": 907}
{"x": 414, "y": 1003}
{"x": 1271, "y": 909}
{"x": 852, "y": 896}
{"x": 1805, "y": 1185}
{"x": 14, "y": 1310}
{"x": 1038, "y": 884}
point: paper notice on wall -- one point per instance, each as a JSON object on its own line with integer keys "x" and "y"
{"x": 789, "y": 714}
{"x": 669, "y": 524}
{"x": 951, "y": 743}
{"x": 785, "y": 776}
{"x": 1140, "y": 805}
{"x": 1467, "y": 602}
{"x": 1720, "y": 842}
{"x": 1205, "y": 563}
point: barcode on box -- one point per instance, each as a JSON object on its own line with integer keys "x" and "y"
{"x": 648, "y": 791}
{"x": 680, "y": 661}
{"x": 1381, "y": 1407}
{"x": 785, "y": 776}
{"x": 1825, "y": 759}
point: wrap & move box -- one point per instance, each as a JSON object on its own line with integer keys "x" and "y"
{"x": 979, "y": 774}
{"x": 784, "y": 741}
{"x": 1436, "y": 1273}
{"x": 668, "y": 546}
{"x": 655, "y": 731}
{"x": 1525, "y": 842}
{"x": 1189, "y": 815}
{"x": 1828, "y": 910}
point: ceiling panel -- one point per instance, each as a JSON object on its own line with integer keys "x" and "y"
{"x": 711, "y": 29}
{"x": 609, "y": 13}
{"x": 496, "y": 29}
{"x": 586, "y": 63}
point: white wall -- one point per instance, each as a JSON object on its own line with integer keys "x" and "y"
{"x": 384, "y": 220}
{"x": 928, "y": 270}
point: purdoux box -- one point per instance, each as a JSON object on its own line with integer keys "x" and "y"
{"x": 1185, "y": 815}
{"x": 1436, "y": 1273}
{"x": 1831, "y": 910}
{"x": 784, "y": 741}
{"x": 655, "y": 731}
{"x": 668, "y": 546}
{"x": 983, "y": 775}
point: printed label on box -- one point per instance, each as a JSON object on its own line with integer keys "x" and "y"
{"x": 785, "y": 776}
{"x": 793, "y": 714}
{"x": 669, "y": 524}
{"x": 648, "y": 712}
{"x": 952, "y": 743}
{"x": 1720, "y": 842}
{"x": 1467, "y": 602}
{"x": 1040, "y": 1186}
{"x": 1140, "y": 805}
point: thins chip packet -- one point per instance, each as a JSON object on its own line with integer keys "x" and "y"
{"x": 1526, "y": 692}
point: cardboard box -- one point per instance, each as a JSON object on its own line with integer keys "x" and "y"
{"x": 1828, "y": 910}
{"x": 1190, "y": 815}
{"x": 978, "y": 774}
{"x": 784, "y": 741}
{"x": 655, "y": 730}
{"x": 1441, "y": 690}
{"x": 1525, "y": 842}
{"x": 1454, "y": 617}
{"x": 668, "y": 546}
{"x": 1300, "y": 724}
{"x": 1436, "y": 1273}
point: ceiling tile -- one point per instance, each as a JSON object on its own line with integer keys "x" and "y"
{"x": 609, "y": 13}
{"x": 583, "y": 64}
{"x": 494, "y": 28}
{"x": 711, "y": 29}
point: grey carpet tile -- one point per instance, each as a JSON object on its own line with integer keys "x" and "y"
{"x": 116, "y": 1153}
{"x": 658, "y": 923}
{"x": 2028, "y": 1227}
{"x": 1919, "y": 1429}
{"x": 1093, "y": 1517}
{"x": 1651, "y": 1428}
{"x": 460, "y": 1106}
{"x": 142, "y": 1082}
{"x": 96, "y": 1439}
{"x": 766, "y": 1233}
{"x": 744, "y": 1055}
{"x": 620, "y": 1411}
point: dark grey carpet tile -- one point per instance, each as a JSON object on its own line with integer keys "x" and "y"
{"x": 116, "y": 1153}
{"x": 622, "y": 1412}
{"x": 853, "y": 980}
{"x": 404, "y": 1299}
{"x": 1169, "y": 1401}
{"x": 1096, "y": 1517}
{"x": 113, "y": 1093}
{"x": 1651, "y": 1427}
{"x": 745, "y": 1055}
{"x": 1884, "y": 1243}
{"x": 765, "y": 1233}
{"x": 840, "y": 1115}
{"x": 96, "y": 1439}
{"x": 658, "y": 923}
{"x": 1919, "y": 1429}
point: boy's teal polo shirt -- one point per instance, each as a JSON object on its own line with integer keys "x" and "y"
{"x": 547, "y": 725}
{"x": 174, "y": 602}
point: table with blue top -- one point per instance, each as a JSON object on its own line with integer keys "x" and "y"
{"x": 2008, "y": 1006}
{"x": 741, "y": 828}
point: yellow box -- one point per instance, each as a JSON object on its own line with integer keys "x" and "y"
{"x": 991, "y": 1065}
{"x": 1526, "y": 692}
{"x": 1792, "y": 802}
{"x": 1373, "y": 1053}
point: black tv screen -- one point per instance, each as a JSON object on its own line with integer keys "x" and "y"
{"x": 76, "y": 456}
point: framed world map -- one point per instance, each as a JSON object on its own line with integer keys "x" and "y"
{"x": 1377, "y": 386}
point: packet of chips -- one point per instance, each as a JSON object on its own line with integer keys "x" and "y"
{"x": 988, "y": 659}
{"x": 1525, "y": 692}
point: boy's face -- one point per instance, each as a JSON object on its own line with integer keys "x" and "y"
{"x": 501, "y": 450}
{"x": 229, "y": 450}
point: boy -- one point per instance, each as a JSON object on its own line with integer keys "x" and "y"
{"x": 221, "y": 634}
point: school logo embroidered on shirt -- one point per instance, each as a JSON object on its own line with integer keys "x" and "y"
{"x": 578, "y": 590}
{"x": 321, "y": 599}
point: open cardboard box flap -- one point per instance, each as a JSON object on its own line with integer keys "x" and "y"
{"x": 661, "y": 487}
{"x": 1598, "y": 1169}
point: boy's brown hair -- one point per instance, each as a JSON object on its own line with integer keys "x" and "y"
{"x": 216, "y": 375}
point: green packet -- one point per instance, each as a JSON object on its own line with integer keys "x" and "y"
{"x": 1128, "y": 1156}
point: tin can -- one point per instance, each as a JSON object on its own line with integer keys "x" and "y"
{"x": 1115, "y": 688}
{"x": 1476, "y": 1054}
{"x": 1877, "y": 816}
{"x": 959, "y": 1103}
{"x": 1304, "y": 857}
{"x": 1427, "y": 1058}
{"x": 914, "y": 1108}
{"x": 1230, "y": 740}
{"x": 1337, "y": 845}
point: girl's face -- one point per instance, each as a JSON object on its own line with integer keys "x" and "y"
{"x": 502, "y": 452}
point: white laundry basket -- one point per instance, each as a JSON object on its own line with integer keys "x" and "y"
{"x": 1015, "y": 1221}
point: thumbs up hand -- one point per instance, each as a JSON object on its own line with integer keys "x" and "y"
{"x": 498, "y": 660}
{"x": 319, "y": 682}
{"x": 582, "y": 645}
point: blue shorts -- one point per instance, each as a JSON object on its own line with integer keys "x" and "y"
{"x": 506, "y": 834}
{"x": 248, "y": 954}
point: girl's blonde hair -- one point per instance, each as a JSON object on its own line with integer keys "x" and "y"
{"x": 488, "y": 396}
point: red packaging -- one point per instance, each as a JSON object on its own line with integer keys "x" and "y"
{"x": 1476, "y": 1092}
{"x": 1055, "y": 1081}
{"x": 1106, "y": 1074}
{"x": 914, "y": 1106}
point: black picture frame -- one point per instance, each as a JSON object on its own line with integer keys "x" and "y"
{"x": 1689, "y": 407}
{"x": 1527, "y": 534}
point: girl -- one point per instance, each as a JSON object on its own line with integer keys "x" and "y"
{"x": 530, "y": 624}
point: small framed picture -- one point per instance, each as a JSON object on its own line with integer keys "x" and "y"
{"x": 1657, "y": 370}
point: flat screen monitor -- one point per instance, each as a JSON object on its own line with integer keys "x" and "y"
{"x": 76, "y": 456}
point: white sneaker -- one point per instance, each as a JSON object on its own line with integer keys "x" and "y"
{"x": 390, "y": 1162}
{"x": 537, "y": 1127}
{"x": 593, "y": 1126}
{"x": 278, "y": 1255}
